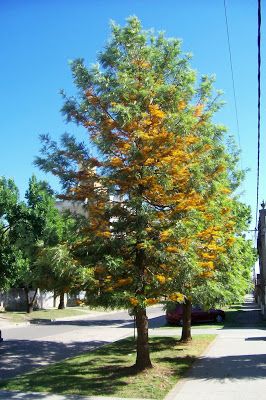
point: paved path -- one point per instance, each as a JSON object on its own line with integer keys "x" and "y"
{"x": 234, "y": 366}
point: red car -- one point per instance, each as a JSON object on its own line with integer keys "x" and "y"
{"x": 175, "y": 315}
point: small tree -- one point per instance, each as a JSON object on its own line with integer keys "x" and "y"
{"x": 59, "y": 271}
{"x": 225, "y": 260}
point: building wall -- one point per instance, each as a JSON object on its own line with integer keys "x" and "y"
{"x": 15, "y": 300}
{"x": 262, "y": 261}
{"x": 75, "y": 207}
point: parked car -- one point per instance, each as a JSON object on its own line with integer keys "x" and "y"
{"x": 175, "y": 315}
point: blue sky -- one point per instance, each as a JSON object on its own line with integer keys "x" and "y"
{"x": 38, "y": 38}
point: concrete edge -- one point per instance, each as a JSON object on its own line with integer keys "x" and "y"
{"x": 14, "y": 325}
{"x": 4, "y": 395}
{"x": 87, "y": 315}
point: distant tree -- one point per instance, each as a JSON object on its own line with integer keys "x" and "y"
{"x": 11, "y": 258}
{"x": 59, "y": 271}
{"x": 160, "y": 165}
{"x": 23, "y": 225}
{"x": 226, "y": 259}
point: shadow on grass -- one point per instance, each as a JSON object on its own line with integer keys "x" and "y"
{"x": 108, "y": 368}
{"x": 20, "y": 356}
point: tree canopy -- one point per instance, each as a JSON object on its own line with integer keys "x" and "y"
{"x": 24, "y": 226}
{"x": 157, "y": 178}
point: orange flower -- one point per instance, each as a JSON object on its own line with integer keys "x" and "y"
{"x": 177, "y": 297}
{"x": 230, "y": 241}
{"x": 133, "y": 301}
{"x": 181, "y": 105}
{"x": 155, "y": 111}
{"x": 116, "y": 162}
{"x": 164, "y": 235}
{"x": 151, "y": 301}
{"x": 110, "y": 289}
{"x": 105, "y": 234}
{"x": 124, "y": 281}
{"x": 208, "y": 256}
{"x": 198, "y": 110}
{"x": 171, "y": 249}
{"x": 225, "y": 191}
{"x": 160, "y": 278}
{"x": 207, "y": 264}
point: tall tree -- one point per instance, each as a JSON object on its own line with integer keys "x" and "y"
{"x": 157, "y": 163}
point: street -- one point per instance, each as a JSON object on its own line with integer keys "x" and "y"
{"x": 28, "y": 347}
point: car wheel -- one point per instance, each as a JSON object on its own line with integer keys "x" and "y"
{"x": 219, "y": 319}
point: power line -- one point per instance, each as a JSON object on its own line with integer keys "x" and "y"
{"x": 259, "y": 94}
{"x": 232, "y": 76}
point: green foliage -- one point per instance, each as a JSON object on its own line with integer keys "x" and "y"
{"x": 22, "y": 226}
{"x": 164, "y": 219}
{"x": 59, "y": 271}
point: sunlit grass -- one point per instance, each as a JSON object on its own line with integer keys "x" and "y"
{"x": 48, "y": 314}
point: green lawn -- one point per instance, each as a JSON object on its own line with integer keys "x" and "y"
{"x": 49, "y": 314}
{"x": 196, "y": 326}
{"x": 109, "y": 371}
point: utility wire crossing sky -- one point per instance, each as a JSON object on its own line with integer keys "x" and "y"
{"x": 40, "y": 37}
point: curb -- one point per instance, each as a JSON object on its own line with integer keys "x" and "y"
{"x": 14, "y": 325}
{"x": 86, "y": 316}
{"x": 48, "y": 396}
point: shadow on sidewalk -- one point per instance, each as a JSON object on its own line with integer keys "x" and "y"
{"x": 246, "y": 315}
{"x": 252, "y": 366}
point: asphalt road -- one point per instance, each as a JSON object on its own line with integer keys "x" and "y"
{"x": 25, "y": 348}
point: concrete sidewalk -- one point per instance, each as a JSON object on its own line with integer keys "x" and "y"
{"x": 233, "y": 367}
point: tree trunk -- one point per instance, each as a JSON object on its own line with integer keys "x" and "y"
{"x": 186, "y": 328}
{"x": 30, "y": 301}
{"x": 54, "y": 299}
{"x": 61, "y": 305}
{"x": 143, "y": 354}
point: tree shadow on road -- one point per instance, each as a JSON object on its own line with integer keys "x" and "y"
{"x": 154, "y": 322}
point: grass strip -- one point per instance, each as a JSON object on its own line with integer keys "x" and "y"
{"x": 195, "y": 326}
{"x": 109, "y": 370}
{"x": 45, "y": 315}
